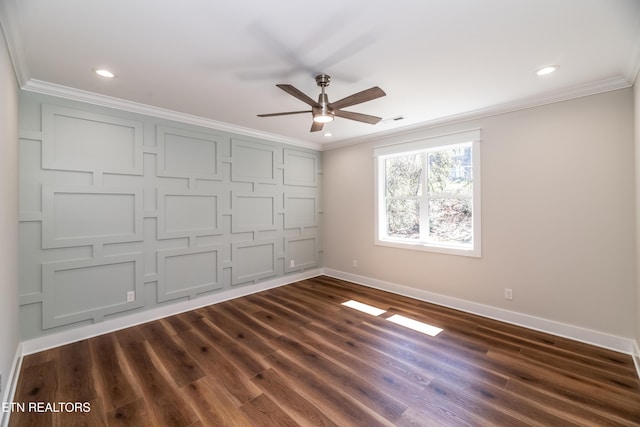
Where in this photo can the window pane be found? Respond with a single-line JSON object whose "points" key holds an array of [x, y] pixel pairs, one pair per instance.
{"points": [[450, 220], [450, 171], [403, 219], [403, 175]]}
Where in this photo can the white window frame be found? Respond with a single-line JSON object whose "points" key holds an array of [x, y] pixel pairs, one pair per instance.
{"points": [[424, 145]]}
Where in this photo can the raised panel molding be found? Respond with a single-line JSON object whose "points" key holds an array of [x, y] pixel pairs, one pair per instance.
{"points": [[253, 162], [77, 140], [300, 253], [188, 213], [252, 261], [74, 291], [300, 210], [254, 211], [300, 168], [188, 272], [75, 216], [187, 154]]}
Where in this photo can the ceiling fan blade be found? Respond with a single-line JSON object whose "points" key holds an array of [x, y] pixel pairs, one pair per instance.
{"points": [[298, 94], [358, 98], [357, 116], [315, 126], [283, 114]]}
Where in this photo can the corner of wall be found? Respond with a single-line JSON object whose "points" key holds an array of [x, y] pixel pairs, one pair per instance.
{"points": [[12, 382]]}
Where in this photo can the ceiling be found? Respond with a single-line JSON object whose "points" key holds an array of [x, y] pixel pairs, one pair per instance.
{"points": [[217, 62]]}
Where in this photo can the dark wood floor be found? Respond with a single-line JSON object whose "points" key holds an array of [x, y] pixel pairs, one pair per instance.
{"points": [[295, 356]]}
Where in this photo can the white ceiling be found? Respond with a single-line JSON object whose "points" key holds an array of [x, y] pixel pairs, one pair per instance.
{"points": [[218, 62]]}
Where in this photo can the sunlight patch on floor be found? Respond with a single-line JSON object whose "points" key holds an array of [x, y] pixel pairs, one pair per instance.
{"points": [[365, 308], [416, 325]]}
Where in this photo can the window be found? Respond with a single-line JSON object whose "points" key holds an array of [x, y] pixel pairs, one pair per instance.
{"points": [[428, 194]]}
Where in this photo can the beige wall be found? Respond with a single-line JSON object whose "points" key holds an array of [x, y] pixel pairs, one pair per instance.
{"points": [[557, 209], [8, 216]]}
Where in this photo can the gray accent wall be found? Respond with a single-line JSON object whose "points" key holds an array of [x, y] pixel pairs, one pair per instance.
{"points": [[121, 212]]}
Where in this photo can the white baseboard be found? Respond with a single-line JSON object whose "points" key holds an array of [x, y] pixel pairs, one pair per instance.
{"points": [[636, 357], [600, 339], [12, 382], [66, 337]]}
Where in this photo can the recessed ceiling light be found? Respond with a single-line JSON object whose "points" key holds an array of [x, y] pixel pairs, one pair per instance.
{"points": [[104, 73], [328, 134], [546, 70]]}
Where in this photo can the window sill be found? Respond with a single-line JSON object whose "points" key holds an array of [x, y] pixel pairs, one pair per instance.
{"points": [[418, 246]]}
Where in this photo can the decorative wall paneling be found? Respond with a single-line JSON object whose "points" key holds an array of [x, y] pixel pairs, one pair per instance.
{"points": [[125, 212]]}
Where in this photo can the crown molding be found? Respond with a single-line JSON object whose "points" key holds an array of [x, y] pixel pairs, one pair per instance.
{"points": [[565, 94], [52, 89], [633, 67]]}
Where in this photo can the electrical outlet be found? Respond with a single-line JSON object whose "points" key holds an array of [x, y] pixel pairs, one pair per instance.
{"points": [[292, 263], [508, 294], [131, 296], [354, 263]]}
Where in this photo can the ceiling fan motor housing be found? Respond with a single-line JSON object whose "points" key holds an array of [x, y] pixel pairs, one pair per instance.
{"points": [[323, 80], [325, 109]]}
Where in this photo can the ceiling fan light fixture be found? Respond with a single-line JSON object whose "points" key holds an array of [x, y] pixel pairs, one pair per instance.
{"points": [[323, 118]]}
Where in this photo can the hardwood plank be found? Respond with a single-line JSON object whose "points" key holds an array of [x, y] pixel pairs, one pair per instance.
{"points": [[371, 355], [240, 333], [180, 322], [115, 389], [299, 408], [284, 326], [234, 311], [246, 361], [419, 417], [179, 363], [337, 405], [167, 406], [471, 409], [40, 357], [38, 383], [572, 411], [216, 365], [213, 405], [365, 391], [593, 371], [132, 414], [424, 359], [262, 411], [94, 417], [573, 389], [76, 376]]}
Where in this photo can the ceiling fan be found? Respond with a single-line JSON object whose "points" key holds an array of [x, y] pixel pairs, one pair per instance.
{"points": [[324, 111]]}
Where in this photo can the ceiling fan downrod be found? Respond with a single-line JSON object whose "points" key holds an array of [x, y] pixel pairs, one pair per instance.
{"points": [[325, 113]]}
